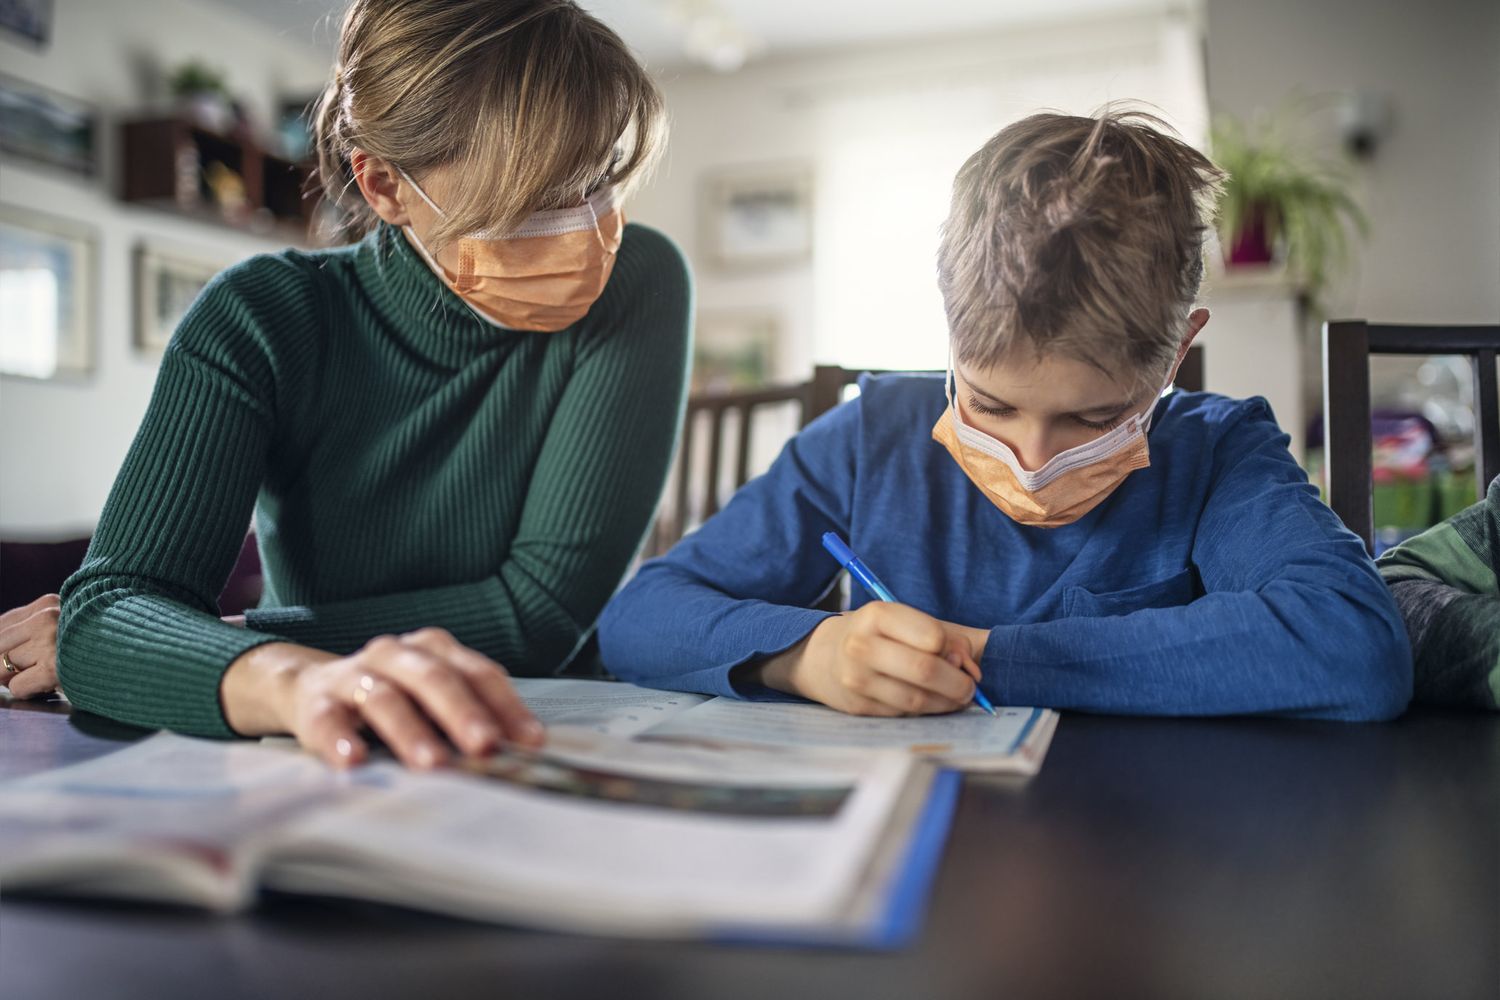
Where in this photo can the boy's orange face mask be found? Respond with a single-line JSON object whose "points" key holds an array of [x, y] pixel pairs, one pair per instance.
{"points": [[1068, 486], [542, 276]]}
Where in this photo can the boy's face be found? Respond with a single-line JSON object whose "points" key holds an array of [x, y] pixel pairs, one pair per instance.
{"points": [[1042, 405]]}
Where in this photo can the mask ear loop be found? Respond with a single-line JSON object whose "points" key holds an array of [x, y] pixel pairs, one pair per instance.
{"points": [[1150, 413], [950, 387], [598, 232], [422, 194]]}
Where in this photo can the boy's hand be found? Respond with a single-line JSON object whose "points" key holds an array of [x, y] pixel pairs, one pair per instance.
{"points": [[884, 659]]}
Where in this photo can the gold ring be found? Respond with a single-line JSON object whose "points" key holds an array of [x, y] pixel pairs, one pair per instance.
{"points": [[10, 668], [362, 691]]}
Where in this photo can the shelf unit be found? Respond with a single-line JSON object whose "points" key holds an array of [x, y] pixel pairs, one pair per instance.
{"points": [[164, 165]]}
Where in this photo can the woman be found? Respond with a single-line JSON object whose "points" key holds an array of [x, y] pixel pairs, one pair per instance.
{"points": [[452, 433]]}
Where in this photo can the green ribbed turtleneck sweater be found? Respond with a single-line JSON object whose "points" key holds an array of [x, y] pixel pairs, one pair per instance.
{"points": [[408, 465]]}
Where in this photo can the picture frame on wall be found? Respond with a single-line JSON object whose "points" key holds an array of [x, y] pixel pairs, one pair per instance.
{"points": [[759, 217], [48, 128], [28, 19], [167, 281], [735, 349], [48, 271]]}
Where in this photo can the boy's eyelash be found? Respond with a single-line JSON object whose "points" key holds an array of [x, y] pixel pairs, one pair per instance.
{"points": [[990, 411], [1100, 425], [1006, 411]]}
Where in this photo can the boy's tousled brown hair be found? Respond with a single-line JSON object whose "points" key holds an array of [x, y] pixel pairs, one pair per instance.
{"points": [[534, 101], [1080, 236]]}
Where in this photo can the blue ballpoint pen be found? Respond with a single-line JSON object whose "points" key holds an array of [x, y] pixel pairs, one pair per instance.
{"points": [[857, 569]]}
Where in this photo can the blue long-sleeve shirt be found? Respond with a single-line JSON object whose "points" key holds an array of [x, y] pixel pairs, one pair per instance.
{"points": [[1212, 582]]}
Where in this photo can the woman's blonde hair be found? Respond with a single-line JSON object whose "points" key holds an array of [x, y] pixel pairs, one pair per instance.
{"points": [[1079, 236], [533, 101]]}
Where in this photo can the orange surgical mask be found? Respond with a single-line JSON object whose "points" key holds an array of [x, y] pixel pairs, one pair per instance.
{"points": [[1068, 486], [542, 276]]}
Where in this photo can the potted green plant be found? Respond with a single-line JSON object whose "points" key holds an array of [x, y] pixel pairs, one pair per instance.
{"points": [[1281, 204], [200, 92]]}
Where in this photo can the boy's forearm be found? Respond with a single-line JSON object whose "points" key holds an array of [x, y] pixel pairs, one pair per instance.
{"points": [[1224, 654]]}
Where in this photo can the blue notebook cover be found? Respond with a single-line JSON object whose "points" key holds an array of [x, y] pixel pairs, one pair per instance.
{"points": [[900, 919]]}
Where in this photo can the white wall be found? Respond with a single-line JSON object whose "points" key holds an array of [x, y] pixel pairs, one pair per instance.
{"points": [[61, 443], [885, 129], [1433, 188]]}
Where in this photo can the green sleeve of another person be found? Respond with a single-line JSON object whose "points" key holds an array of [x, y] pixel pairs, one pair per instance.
{"points": [[1444, 581]]}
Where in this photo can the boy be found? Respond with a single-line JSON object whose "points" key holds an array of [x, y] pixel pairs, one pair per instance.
{"points": [[1444, 581], [1043, 510]]}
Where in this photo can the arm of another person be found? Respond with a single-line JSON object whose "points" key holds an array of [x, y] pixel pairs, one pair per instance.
{"points": [[591, 496], [1444, 581], [28, 640], [1295, 620]]}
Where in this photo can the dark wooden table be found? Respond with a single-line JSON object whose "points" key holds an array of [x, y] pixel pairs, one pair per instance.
{"points": [[1151, 858]]}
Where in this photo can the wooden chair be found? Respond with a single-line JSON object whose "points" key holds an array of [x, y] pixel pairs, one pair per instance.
{"points": [[817, 396], [1347, 346]]}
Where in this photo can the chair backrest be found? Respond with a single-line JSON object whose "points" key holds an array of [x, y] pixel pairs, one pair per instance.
{"points": [[689, 481], [817, 396], [1348, 444]]}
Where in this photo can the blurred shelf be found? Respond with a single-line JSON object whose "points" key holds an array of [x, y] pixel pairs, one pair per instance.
{"points": [[167, 163]]}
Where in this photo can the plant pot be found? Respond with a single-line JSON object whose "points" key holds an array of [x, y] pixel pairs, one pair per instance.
{"points": [[207, 109], [1251, 246]]}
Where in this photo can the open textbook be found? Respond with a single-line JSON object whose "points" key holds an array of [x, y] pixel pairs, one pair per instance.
{"points": [[1014, 741], [593, 834]]}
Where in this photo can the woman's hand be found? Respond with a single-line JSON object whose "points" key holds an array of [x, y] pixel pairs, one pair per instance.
{"points": [[407, 689], [28, 640], [884, 659]]}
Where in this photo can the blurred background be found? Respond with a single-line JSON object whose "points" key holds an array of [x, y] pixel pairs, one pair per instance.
{"points": [[146, 144]]}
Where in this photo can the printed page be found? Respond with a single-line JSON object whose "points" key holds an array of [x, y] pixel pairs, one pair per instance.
{"points": [[539, 840], [971, 739], [169, 818], [607, 707]]}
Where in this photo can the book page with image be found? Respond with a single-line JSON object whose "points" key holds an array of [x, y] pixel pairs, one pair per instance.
{"points": [[600, 835], [169, 818]]}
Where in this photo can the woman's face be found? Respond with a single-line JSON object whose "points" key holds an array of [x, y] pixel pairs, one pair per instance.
{"points": [[1042, 405]]}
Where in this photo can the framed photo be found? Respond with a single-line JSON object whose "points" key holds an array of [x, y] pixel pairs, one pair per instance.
{"points": [[734, 350], [30, 19], [47, 274], [758, 218], [46, 127], [167, 280]]}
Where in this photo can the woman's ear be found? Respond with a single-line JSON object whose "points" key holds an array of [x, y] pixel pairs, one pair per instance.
{"points": [[380, 183]]}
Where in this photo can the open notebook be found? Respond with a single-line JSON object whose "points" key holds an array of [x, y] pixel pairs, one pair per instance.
{"points": [[595, 834], [1014, 741]]}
